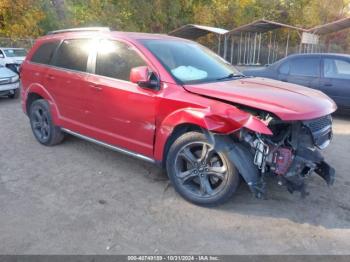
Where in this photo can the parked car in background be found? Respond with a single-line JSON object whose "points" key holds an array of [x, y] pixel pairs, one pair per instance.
{"points": [[329, 73], [12, 58], [173, 102], [9, 83]]}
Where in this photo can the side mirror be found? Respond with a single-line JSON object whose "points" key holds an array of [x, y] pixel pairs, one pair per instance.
{"points": [[2, 56], [144, 77]]}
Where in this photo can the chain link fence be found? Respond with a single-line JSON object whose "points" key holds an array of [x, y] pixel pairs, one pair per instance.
{"points": [[26, 43]]}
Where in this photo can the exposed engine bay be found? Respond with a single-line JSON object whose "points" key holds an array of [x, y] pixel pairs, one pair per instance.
{"points": [[291, 154]]}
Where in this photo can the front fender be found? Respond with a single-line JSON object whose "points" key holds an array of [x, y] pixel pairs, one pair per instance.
{"points": [[220, 118]]}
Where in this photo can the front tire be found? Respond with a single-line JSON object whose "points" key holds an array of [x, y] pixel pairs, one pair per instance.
{"points": [[43, 128], [199, 173]]}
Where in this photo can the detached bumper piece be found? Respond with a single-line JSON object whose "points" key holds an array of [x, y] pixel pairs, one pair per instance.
{"points": [[305, 163], [327, 172], [242, 159]]}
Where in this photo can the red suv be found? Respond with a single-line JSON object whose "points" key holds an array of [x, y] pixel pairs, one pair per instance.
{"points": [[174, 102]]}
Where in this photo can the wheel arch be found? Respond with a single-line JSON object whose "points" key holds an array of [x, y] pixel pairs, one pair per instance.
{"points": [[178, 130], [35, 92], [30, 99]]}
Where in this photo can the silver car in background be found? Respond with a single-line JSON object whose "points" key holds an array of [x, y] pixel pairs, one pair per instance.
{"points": [[9, 83], [12, 58]]}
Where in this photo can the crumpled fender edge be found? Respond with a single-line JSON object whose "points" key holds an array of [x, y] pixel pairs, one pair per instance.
{"points": [[242, 159], [207, 118], [258, 126], [221, 118]]}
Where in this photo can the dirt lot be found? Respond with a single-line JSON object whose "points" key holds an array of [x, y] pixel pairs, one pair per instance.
{"points": [[81, 198]]}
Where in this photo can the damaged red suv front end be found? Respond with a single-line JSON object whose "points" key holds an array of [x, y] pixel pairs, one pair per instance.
{"points": [[298, 122]]}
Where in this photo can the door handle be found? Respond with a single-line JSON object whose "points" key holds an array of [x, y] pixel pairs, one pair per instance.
{"points": [[96, 87], [327, 84], [50, 77]]}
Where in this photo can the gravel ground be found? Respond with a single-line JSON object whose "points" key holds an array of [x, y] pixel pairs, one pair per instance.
{"points": [[80, 198]]}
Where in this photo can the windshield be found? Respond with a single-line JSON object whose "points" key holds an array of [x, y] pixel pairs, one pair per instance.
{"points": [[15, 52], [191, 63]]}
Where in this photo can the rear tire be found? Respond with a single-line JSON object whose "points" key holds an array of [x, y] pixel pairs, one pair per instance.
{"points": [[15, 95], [43, 128], [199, 173]]}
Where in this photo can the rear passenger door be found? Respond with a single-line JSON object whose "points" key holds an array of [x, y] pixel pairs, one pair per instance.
{"points": [[67, 80], [303, 71], [335, 80]]}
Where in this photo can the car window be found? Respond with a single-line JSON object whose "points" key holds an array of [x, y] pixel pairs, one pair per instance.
{"points": [[73, 54], [44, 53], [115, 59], [1, 53], [15, 52], [336, 68], [305, 66], [284, 68]]}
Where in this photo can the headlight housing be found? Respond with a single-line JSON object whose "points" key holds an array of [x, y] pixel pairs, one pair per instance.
{"points": [[14, 79]]}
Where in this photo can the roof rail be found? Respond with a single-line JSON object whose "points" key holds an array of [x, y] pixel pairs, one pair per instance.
{"points": [[79, 29]]}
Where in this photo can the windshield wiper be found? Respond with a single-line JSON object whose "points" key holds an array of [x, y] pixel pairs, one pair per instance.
{"points": [[232, 75]]}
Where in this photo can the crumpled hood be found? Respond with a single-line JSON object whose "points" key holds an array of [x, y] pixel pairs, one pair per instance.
{"points": [[285, 100]]}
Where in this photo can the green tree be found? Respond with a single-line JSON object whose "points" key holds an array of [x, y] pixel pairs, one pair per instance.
{"points": [[20, 18]]}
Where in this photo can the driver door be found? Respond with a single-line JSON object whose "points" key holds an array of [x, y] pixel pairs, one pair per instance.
{"points": [[120, 112]]}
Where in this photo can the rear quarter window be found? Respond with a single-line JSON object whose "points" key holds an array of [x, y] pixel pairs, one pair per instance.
{"points": [[73, 54], [44, 53]]}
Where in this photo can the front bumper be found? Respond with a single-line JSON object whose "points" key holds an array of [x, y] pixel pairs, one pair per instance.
{"points": [[321, 130], [8, 88]]}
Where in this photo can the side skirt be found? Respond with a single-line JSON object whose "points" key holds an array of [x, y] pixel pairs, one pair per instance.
{"points": [[114, 148]]}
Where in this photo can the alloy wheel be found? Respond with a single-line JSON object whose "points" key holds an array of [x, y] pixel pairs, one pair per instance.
{"points": [[200, 169], [40, 123]]}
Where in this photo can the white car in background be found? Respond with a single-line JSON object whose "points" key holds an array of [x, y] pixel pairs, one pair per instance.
{"points": [[12, 57], [9, 83]]}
